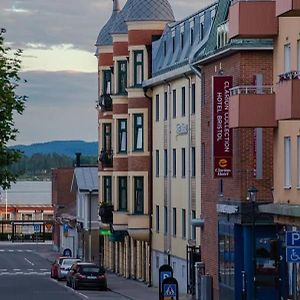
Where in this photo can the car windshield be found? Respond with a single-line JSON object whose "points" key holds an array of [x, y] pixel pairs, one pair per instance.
{"points": [[69, 262], [91, 270]]}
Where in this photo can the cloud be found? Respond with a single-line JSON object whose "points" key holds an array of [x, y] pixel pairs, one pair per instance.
{"points": [[61, 105]]}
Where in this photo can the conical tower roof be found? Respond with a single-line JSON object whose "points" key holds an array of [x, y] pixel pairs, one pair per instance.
{"points": [[150, 10], [104, 37], [120, 25]]}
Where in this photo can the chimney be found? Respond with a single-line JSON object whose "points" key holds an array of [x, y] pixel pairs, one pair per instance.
{"points": [[116, 5], [78, 154]]}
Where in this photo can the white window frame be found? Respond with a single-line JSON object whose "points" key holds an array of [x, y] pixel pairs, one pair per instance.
{"points": [[287, 163], [287, 58]]}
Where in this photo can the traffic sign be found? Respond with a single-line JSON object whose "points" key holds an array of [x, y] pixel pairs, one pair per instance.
{"points": [[170, 290], [164, 275], [36, 227], [165, 271], [293, 238], [293, 255]]}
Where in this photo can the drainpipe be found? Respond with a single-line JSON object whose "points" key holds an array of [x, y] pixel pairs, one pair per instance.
{"points": [[169, 200], [189, 158]]}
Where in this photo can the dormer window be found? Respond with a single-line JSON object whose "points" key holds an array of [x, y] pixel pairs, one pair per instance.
{"points": [[138, 68], [173, 40], [192, 32], [182, 36], [201, 32], [165, 48]]}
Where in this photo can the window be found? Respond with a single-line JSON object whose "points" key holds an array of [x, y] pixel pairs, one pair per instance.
{"points": [[201, 30], [298, 161], [202, 159], [193, 227], [166, 163], [226, 254], [165, 220], [107, 137], [157, 163], [174, 104], [107, 189], [182, 39], [192, 33], [138, 195], [193, 98], [138, 132], [183, 162], [122, 82], [174, 222], [173, 42], [123, 193], [165, 48], [287, 162], [193, 162], [174, 162], [298, 55], [287, 58], [165, 106], [122, 125], [138, 68], [157, 108], [183, 215], [106, 82], [183, 101], [157, 218]]}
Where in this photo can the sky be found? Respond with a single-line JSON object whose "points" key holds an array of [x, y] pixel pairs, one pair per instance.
{"points": [[58, 37]]}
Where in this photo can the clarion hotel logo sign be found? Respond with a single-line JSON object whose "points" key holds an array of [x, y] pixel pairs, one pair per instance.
{"points": [[222, 134]]}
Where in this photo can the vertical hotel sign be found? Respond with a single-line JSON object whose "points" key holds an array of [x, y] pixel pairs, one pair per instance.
{"points": [[222, 134]]}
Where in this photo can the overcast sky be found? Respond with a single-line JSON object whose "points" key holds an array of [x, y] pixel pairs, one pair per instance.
{"points": [[58, 38]]}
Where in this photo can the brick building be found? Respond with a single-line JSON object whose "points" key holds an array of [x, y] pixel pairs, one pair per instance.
{"points": [[125, 133]]}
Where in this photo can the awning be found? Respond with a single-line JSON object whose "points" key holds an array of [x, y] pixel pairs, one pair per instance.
{"points": [[197, 222], [289, 210]]}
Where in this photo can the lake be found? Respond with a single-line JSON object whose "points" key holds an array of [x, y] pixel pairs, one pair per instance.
{"points": [[29, 192]]}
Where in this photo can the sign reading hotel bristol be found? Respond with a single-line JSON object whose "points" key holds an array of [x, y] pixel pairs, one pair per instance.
{"points": [[222, 134]]}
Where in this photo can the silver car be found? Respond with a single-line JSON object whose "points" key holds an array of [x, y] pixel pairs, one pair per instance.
{"points": [[65, 267]]}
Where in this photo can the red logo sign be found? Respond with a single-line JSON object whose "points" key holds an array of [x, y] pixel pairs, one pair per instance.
{"points": [[222, 134]]}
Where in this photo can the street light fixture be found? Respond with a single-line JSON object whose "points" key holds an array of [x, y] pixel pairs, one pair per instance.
{"points": [[252, 192]]}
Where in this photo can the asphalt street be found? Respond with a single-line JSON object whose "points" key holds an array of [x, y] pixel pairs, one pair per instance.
{"points": [[25, 275]]}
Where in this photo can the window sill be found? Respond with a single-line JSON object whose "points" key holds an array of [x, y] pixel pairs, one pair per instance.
{"points": [[287, 187], [138, 151]]}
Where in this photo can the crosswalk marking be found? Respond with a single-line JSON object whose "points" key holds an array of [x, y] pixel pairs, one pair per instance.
{"points": [[24, 273], [17, 250]]}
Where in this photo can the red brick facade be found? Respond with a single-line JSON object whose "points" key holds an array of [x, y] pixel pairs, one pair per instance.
{"points": [[243, 66]]}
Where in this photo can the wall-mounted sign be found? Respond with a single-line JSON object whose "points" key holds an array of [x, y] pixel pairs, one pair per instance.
{"points": [[182, 129], [222, 134], [227, 209]]}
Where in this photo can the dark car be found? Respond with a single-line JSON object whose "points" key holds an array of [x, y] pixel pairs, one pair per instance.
{"points": [[86, 275], [55, 265]]}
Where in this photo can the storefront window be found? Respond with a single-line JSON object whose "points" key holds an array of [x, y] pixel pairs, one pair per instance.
{"points": [[226, 254]]}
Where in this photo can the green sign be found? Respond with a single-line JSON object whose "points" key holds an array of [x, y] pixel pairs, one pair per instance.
{"points": [[105, 232]]}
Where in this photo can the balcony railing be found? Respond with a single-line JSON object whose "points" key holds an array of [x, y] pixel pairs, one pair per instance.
{"points": [[105, 102], [106, 158], [289, 75], [251, 89]]}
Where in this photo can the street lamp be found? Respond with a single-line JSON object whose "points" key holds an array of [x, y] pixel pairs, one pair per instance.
{"points": [[252, 192]]}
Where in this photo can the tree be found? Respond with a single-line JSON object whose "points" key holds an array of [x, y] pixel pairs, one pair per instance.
{"points": [[10, 105]]}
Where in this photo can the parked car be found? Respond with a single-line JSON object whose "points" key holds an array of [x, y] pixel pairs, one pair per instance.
{"points": [[54, 266], [65, 267], [86, 275]]}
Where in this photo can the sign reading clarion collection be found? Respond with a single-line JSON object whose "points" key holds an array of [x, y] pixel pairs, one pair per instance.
{"points": [[222, 134]]}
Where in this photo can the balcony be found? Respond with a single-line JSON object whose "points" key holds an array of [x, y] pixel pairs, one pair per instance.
{"points": [[139, 227], [252, 106], [120, 222], [287, 8], [287, 96], [106, 158], [105, 102], [106, 213], [252, 19]]}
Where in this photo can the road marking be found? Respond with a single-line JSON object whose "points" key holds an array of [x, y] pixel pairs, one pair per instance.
{"points": [[16, 269], [3, 270], [43, 269], [31, 263], [29, 269], [2, 250], [71, 290], [11, 250]]}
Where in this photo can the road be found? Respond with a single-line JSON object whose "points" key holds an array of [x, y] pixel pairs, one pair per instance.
{"points": [[25, 275]]}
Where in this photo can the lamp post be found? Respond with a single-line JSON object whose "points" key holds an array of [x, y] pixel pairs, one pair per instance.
{"points": [[252, 192]]}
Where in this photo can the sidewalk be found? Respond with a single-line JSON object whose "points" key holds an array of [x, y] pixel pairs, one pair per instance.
{"points": [[131, 289]]}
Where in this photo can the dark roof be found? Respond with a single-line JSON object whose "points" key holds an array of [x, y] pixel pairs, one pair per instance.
{"points": [[120, 25], [152, 10]]}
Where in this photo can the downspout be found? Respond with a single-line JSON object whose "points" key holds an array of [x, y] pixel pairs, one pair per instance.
{"points": [[151, 189], [189, 157], [169, 173]]}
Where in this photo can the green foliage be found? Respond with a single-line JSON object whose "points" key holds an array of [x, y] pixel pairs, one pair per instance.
{"points": [[39, 166], [10, 104]]}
